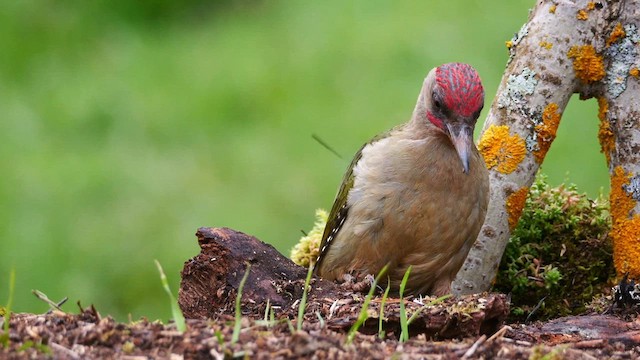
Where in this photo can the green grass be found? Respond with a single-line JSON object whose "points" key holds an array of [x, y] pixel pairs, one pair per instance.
{"points": [[404, 322], [364, 315], [237, 323], [383, 301], [123, 131], [303, 301], [176, 312], [417, 313], [52, 304], [4, 337]]}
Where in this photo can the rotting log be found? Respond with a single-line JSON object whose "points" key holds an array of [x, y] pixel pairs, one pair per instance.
{"points": [[587, 331], [211, 279]]}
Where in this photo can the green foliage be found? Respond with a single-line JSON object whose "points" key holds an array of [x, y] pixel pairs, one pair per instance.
{"points": [[560, 250]]}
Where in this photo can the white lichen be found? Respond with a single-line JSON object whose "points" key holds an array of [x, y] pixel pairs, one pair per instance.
{"points": [[531, 142], [535, 118], [623, 55], [516, 39], [633, 187], [518, 86]]}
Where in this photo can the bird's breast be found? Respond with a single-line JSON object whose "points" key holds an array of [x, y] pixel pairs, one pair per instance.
{"points": [[411, 202]]}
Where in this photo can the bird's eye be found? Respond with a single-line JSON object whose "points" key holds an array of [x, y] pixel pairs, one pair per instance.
{"points": [[436, 101]]}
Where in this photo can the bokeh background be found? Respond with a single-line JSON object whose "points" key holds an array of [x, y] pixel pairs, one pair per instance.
{"points": [[126, 125]]}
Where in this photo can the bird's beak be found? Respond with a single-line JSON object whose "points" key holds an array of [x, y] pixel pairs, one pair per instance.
{"points": [[462, 138]]}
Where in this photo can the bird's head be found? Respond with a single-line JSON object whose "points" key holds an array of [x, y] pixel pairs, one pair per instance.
{"points": [[452, 98]]}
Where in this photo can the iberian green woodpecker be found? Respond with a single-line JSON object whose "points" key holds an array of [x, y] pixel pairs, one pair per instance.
{"points": [[416, 195]]}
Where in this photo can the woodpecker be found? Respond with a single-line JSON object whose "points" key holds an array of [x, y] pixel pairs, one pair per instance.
{"points": [[416, 195]]}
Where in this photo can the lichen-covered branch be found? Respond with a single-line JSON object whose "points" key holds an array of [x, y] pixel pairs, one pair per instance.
{"points": [[566, 47]]}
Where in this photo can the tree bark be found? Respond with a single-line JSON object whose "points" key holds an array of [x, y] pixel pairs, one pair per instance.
{"points": [[566, 47]]}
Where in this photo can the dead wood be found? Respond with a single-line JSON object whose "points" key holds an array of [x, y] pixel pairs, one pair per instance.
{"points": [[210, 283]]}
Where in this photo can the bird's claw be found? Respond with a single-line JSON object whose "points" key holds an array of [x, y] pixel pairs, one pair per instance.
{"points": [[357, 282]]}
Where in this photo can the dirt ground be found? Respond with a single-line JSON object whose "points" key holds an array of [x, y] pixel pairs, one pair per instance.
{"points": [[88, 335], [471, 326]]}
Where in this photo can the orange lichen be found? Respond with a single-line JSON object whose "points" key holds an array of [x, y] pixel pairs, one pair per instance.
{"points": [[625, 233], [552, 9], [617, 34], [501, 150], [634, 72], [621, 202], [587, 64], [605, 135], [509, 44], [515, 205], [546, 130], [582, 15], [626, 247], [546, 45]]}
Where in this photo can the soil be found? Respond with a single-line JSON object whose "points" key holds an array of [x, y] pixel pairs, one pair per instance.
{"points": [[470, 326], [88, 335]]}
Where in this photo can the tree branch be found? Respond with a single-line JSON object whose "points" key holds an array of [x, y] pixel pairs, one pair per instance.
{"points": [[566, 47]]}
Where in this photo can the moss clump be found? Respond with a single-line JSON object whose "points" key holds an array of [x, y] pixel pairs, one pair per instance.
{"points": [[306, 250], [560, 251]]}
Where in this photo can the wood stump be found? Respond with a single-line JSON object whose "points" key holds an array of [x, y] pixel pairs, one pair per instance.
{"points": [[210, 282]]}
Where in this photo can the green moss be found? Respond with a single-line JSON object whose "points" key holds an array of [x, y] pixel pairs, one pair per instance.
{"points": [[306, 250], [560, 252]]}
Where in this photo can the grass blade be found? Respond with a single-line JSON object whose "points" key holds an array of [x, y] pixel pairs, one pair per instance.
{"points": [[381, 332], [178, 318], [303, 301], [430, 303], [362, 317], [266, 310], [52, 305], [404, 323], [238, 317], [290, 325], [4, 338], [320, 319]]}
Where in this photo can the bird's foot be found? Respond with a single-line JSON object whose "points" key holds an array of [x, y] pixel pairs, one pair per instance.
{"points": [[357, 282]]}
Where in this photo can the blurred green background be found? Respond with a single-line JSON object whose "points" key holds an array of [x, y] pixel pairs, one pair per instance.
{"points": [[126, 125]]}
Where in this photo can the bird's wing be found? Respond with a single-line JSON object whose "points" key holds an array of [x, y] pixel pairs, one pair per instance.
{"points": [[340, 209]]}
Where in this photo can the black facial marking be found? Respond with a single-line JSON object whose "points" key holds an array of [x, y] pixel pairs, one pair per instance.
{"points": [[439, 108]]}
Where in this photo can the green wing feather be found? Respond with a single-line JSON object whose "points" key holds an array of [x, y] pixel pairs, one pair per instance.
{"points": [[340, 210]]}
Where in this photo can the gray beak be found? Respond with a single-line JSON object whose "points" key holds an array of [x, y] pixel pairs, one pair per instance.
{"points": [[462, 138]]}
